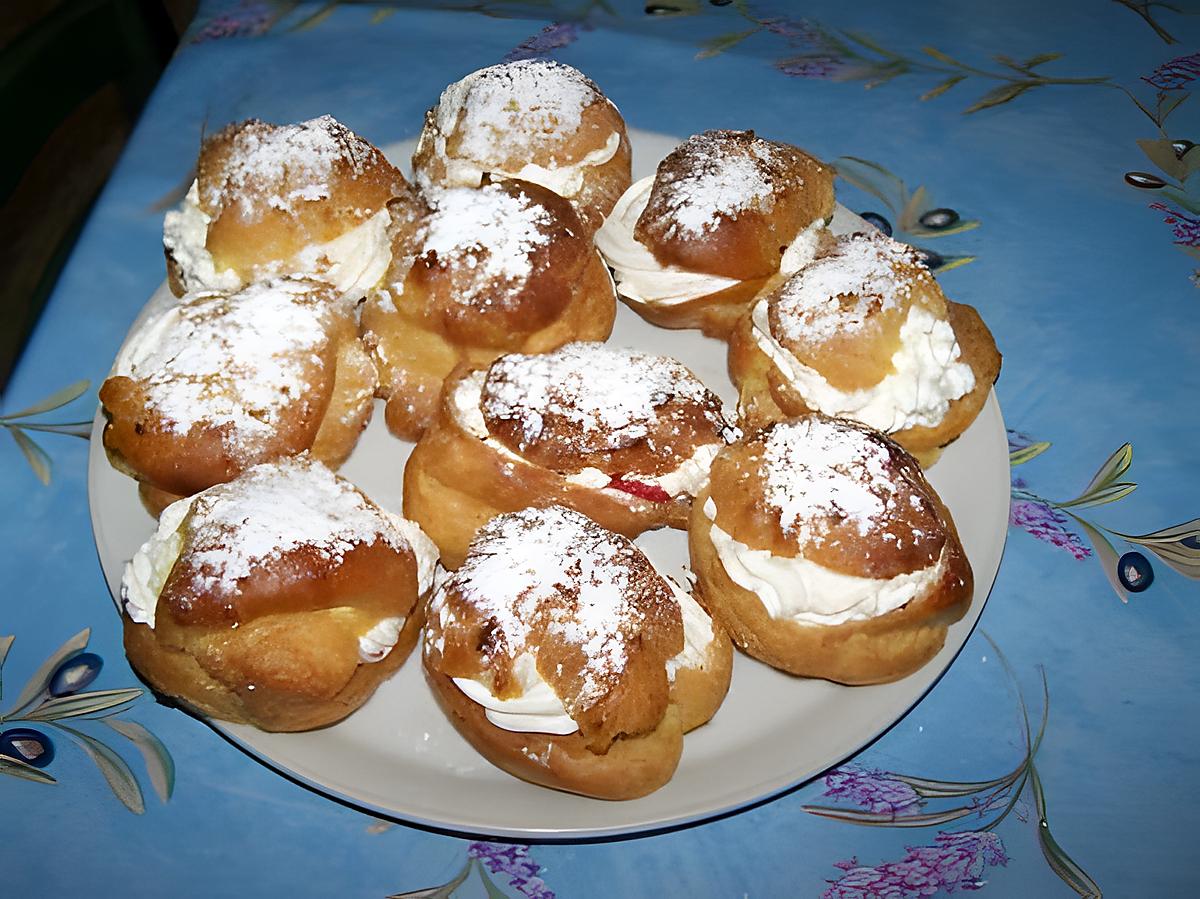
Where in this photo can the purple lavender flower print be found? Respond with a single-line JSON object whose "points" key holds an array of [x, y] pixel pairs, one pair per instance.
{"points": [[1175, 74], [1186, 228], [513, 861], [545, 42], [872, 789], [955, 862], [1047, 524], [245, 20], [819, 55], [823, 67], [1035, 515]]}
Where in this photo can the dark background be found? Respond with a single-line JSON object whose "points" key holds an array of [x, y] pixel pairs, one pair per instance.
{"points": [[74, 75]]}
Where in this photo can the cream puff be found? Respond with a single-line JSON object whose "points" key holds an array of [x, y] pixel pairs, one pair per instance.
{"points": [[865, 333], [565, 659], [269, 200], [504, 268], [535, 120], [725, 215], [622, 436], [216, 383], [281, 599], [820, 546]]}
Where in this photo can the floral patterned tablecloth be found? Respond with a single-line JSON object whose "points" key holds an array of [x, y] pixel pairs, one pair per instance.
{"points": [[1057, 755]]}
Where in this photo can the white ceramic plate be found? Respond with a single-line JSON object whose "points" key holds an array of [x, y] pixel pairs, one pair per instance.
{"points": [[399, 757]]}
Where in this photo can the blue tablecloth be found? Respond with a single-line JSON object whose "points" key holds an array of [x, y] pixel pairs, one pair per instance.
{"points": [[1061, 128]]}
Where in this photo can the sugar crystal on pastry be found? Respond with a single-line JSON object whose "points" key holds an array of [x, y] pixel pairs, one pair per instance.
{"points": [[518, 101], [488, 235], [838, 294], [716, 184], [611, 395], [535, 120], [538, 554], [814, 472], [285, 164], [237, 361], [276, 509]]}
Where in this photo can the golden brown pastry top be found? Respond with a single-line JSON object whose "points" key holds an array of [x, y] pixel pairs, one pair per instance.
{"points": [[842, 314], [592, 405], [729, 203], [218, 382], [286, 536], [601, 622], [530, 111], [494, 264], [835, 491], [273, 190]]}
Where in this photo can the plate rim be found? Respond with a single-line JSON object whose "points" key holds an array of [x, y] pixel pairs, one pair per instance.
{"points": [[456, 824]]}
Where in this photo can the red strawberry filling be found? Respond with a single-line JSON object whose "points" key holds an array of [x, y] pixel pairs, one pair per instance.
{"points": [[652, 492]]}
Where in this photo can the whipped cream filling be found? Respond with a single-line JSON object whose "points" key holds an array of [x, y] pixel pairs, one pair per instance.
{"points": [[641, 278], [148, 570], [423, 549], [539, 710], [927, 376], [185, 234], [565, 180], [807, 593], [375, 644], [690, 477], [697, 632], [353, 262]]}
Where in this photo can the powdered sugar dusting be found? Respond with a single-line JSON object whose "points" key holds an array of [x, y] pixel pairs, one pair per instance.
{"points": [[721, 173], [273, 509], [838, 293], [240, 360], [286, 163], [489, 233], [611, 394], [553, 571], [528, 97], [817, 467]]}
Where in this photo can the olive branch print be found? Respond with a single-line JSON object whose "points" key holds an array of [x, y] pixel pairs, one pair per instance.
{"points": [[843, 55], [957, 859], [1145, 9], [18, 424], [1175, 159], [55, 695], [1177, 546]]}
